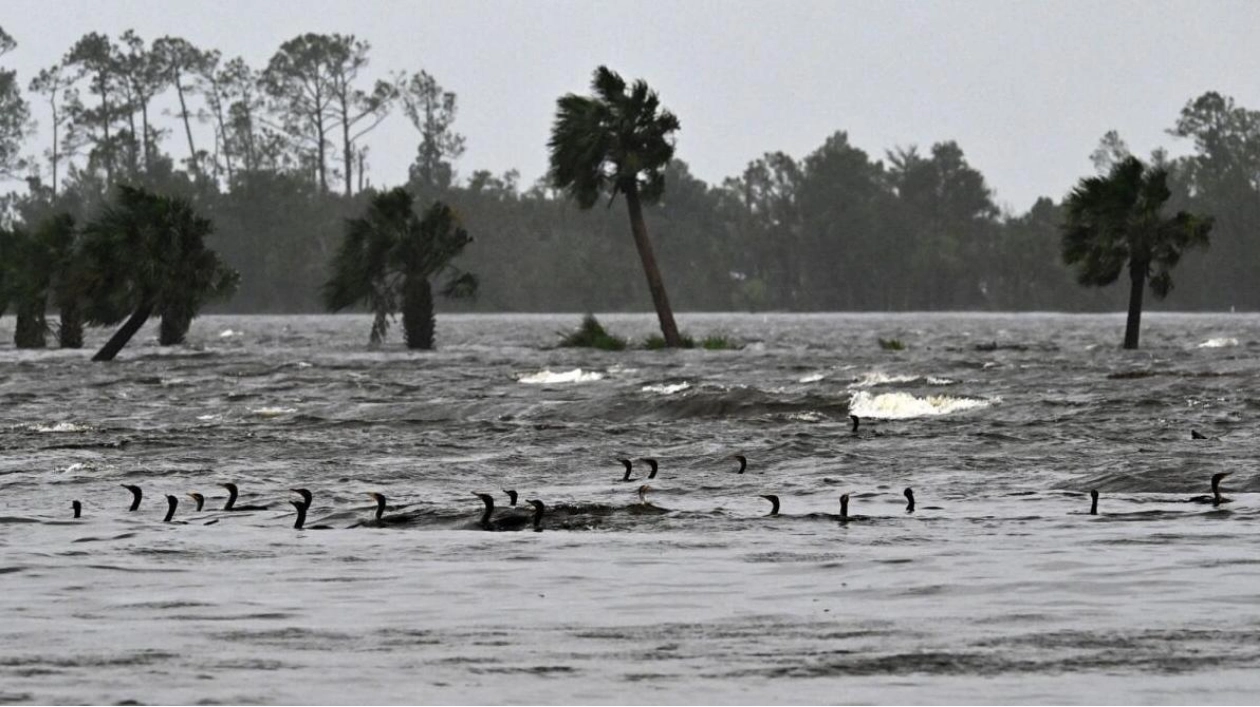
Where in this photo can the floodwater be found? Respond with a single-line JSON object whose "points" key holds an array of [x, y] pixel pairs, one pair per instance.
{"points": [[998, 588]]}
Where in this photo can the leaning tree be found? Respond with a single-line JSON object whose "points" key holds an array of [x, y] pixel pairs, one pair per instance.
{"points": [[1115, 221], [617, 142], [145, 255], [389, 260]]}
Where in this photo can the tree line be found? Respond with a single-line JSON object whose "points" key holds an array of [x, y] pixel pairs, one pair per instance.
{"points": [[286, 161]]}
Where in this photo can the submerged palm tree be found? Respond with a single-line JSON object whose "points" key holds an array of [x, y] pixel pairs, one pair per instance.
{"points": [[146, 255], [617, 142], [1114, 221], [34, 265], [389, 259]]}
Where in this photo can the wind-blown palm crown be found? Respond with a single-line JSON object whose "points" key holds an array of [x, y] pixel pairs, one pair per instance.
{"points": [[1114, 220]]}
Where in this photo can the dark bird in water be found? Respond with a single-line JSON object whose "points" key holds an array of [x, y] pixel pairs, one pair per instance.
{"points": [[857, 421], [743, 463], [539, 509], [652, 463], [628, 467], [513, 521], [300, 523], [909, 500], [231, 502], [844, 509], [1093, 503], [1216, 498], [78, 508], [512, 496], [171, 504], [136, 495], [774, 504], [394, 519], [201, 500], [1195, 434], [306, 495]]}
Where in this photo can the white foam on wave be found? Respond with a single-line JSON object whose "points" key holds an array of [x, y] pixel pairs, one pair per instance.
{"points": [[666, 388], [576, 375], [58, 427], [1219, 342], [807, 416], [272, 411], [812, 378], [874, 378], [228, 333], [901, 406]]}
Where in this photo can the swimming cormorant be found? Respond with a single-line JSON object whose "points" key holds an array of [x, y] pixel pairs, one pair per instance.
{"points": [[512, 496], [507, 522], [743, 462], [909, 493], [856, 422], [774, 504], [201, 500], [1093, 503], [628, 467], [136, 495], [1216, 498], [300, 523], [171, 504], [1195, 434], [394, 519], [539, 509], [78, 508], [231, 502], [844, 510], [652, 463]]}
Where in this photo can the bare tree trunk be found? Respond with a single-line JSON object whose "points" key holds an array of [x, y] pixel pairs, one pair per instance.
{"points": [[31, 326], [1137, 278], [124, 334], [346, 153], [655, 285], [70, 331], [183, 112]]}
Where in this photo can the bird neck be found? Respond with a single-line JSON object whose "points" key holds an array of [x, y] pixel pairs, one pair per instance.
{"points": [[231, 498], [485, 515]]}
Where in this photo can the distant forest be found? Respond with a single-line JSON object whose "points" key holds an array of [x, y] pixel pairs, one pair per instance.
{"points": [[834, 230]]}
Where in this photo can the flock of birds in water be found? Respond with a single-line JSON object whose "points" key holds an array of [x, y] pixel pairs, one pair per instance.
{"points": [[514, 519]]}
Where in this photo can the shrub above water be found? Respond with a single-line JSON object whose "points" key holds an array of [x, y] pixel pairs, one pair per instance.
{"points": [[591, 335]]}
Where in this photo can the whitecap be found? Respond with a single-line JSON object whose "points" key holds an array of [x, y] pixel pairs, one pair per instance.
{"points": [[1219, 342], [272, 412], [807, 416], [900, 406], [812, 378], [576, 375], [208, 418], [666, 388], [58, 427], [226, 333]]}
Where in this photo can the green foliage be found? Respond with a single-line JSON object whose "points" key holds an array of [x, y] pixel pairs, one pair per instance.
{"points": [[892, 345], [591, 334], [388, 252], [719, 342], [656, 342]]}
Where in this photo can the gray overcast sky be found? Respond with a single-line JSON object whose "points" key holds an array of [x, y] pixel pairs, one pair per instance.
{"points": [[1026, 88]]}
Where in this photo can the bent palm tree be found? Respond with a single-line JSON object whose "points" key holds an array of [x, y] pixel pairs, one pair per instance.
{"points": [[1115, 220], [388, 260], [617, 142], [146, 255]]}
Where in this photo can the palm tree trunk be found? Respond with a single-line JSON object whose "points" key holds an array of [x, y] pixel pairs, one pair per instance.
{"points": [[124, 334], [174, 326], [417, 313], [655, 285], [1137, 278], [31, 326], [70, 333]]}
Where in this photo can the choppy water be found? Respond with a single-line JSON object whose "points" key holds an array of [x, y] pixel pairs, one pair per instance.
{"points": [[999, 588]]}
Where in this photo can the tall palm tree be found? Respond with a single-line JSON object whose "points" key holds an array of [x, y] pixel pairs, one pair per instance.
{"points": [[617, 142], [146, 255], [34, 265], [389, 259], [1115, 220]]}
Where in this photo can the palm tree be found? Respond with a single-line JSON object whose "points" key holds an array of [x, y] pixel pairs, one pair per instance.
{"points": [[24, 280], [146, 255], [389, 259], [617, 142], [1115, 220]]}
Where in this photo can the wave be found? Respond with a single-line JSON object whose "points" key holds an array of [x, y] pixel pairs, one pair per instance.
{"points": [[666, 388], [546, 376], [272, 411], [874, 378], [1219, 343], [901, 406], [59, 427]]}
